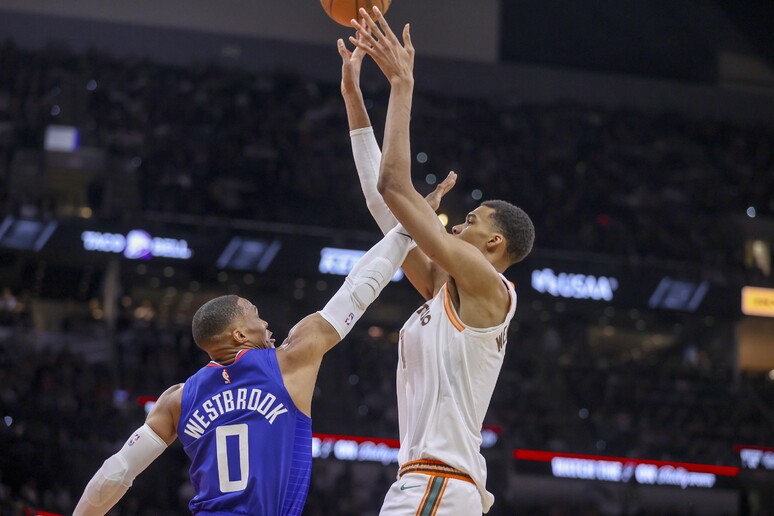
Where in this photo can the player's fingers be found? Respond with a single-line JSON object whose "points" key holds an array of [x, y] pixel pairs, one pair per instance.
{"points": [[441, 189], [407, 43], [448, 183], [368, 49], [385, 26], [371, 23], [343, 52], [363, 33]]}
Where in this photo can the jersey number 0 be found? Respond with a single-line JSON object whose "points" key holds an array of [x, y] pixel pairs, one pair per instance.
{"points": [[221, 433]]}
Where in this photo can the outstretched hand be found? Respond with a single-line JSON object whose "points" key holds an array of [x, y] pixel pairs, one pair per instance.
{"points": [[351, 63], [396, 60], [434, 197]]}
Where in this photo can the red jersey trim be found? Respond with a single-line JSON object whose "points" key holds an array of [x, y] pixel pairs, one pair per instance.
{"points": [[239, 355]]}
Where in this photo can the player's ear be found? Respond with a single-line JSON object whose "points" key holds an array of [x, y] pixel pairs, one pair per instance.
{"points": [[494, 241], [238, 336]]}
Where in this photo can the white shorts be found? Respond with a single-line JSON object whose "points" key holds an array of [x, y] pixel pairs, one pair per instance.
{"points": [[418, 494]]}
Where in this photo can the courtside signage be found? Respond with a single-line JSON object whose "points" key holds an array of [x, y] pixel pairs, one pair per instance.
{"points": [[350, 448], [374, 449], [758, 301], [574, 286], [615, 469], [756, 457], [340, 261], [672, 294], [138, 244]]}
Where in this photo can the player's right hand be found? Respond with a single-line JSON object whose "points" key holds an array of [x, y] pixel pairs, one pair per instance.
{"points": [[375, 38]]}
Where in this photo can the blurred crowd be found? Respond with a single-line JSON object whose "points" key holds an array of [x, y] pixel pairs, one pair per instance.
{"points": [[69, 398], [216, 141], [211, 140]]}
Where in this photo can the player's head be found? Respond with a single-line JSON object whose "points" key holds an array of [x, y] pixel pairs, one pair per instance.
{"points": [[502, 231], [230, 321]]}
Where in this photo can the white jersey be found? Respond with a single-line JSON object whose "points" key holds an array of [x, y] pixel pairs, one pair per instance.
{"points": [[446, 376]]}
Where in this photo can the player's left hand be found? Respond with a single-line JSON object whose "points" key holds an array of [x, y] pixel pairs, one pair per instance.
{"points": [[396, 60], [434, 197], [351, 63]]}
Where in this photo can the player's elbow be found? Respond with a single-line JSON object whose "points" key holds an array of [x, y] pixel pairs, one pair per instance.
{"points": [[115, 473], [389, 188], [383, 184]]}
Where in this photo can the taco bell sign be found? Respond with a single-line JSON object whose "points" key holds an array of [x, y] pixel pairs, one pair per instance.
{"points": [[136, 245]]}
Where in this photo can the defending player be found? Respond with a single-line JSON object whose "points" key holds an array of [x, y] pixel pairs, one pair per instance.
{"points": [[245, 418], [451, 349]]}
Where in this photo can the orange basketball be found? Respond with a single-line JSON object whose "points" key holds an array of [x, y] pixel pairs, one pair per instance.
{"points": [[342, 11]]}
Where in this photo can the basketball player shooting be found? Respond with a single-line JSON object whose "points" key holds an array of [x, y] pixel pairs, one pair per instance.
{"points": [[244, 419], [451, 349]]}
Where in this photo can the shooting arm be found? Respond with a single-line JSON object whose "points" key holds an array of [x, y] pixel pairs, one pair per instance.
{"points": [[367, 157], [451, 254], [459, 259]]}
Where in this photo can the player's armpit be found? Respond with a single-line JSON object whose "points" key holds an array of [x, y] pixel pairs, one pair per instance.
{"points": [[310, 338], [423, 274], [300, 356]]}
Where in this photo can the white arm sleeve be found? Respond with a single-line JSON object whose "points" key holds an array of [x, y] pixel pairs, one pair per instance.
{"points": [[368, 157], [366, 280], [117, 473]]}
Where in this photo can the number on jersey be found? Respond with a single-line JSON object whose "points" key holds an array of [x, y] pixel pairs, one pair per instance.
{"points": [[221, 433]]}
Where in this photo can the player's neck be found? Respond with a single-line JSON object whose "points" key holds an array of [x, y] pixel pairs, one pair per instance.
{"points": [[224, 355]]}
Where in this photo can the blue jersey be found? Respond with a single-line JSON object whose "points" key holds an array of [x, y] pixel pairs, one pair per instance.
{"points": [[250, 447]]}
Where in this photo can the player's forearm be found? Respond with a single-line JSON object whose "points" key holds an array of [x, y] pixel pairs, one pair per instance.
{"points": [[395, 171], [365, 281], [94, 504], [113, 479], [368, 156], [357, 115], [395, 185]]}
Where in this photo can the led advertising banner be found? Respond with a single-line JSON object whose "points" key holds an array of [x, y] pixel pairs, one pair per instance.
{"points": [[758, 301], [639, 471], [25, 235], [588, 284], [580, 282], [758, 458]]}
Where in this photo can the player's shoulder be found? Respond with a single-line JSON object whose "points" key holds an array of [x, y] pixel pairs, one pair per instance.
{"points": [[174, 388], [173, 395]]}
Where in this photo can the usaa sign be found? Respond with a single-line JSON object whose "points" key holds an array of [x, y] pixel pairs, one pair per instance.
{"points": [[574, 286]]}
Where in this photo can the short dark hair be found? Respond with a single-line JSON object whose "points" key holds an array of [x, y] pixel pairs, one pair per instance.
{"points": [[213, 318], [516, 227]]}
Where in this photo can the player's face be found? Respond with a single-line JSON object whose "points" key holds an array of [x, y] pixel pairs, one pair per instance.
{"points": [[477, 227], [255, 328]]}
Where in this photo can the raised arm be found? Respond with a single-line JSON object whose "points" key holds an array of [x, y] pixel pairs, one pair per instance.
{"points": [[115, 477], [301, 354], [420, 271], [365, 149], [472, 273]]}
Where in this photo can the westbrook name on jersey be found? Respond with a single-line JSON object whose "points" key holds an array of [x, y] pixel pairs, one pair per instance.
{"points": [[250, 447]]}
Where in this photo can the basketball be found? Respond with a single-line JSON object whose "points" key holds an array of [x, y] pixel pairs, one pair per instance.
{"points": [[342, 11]]}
